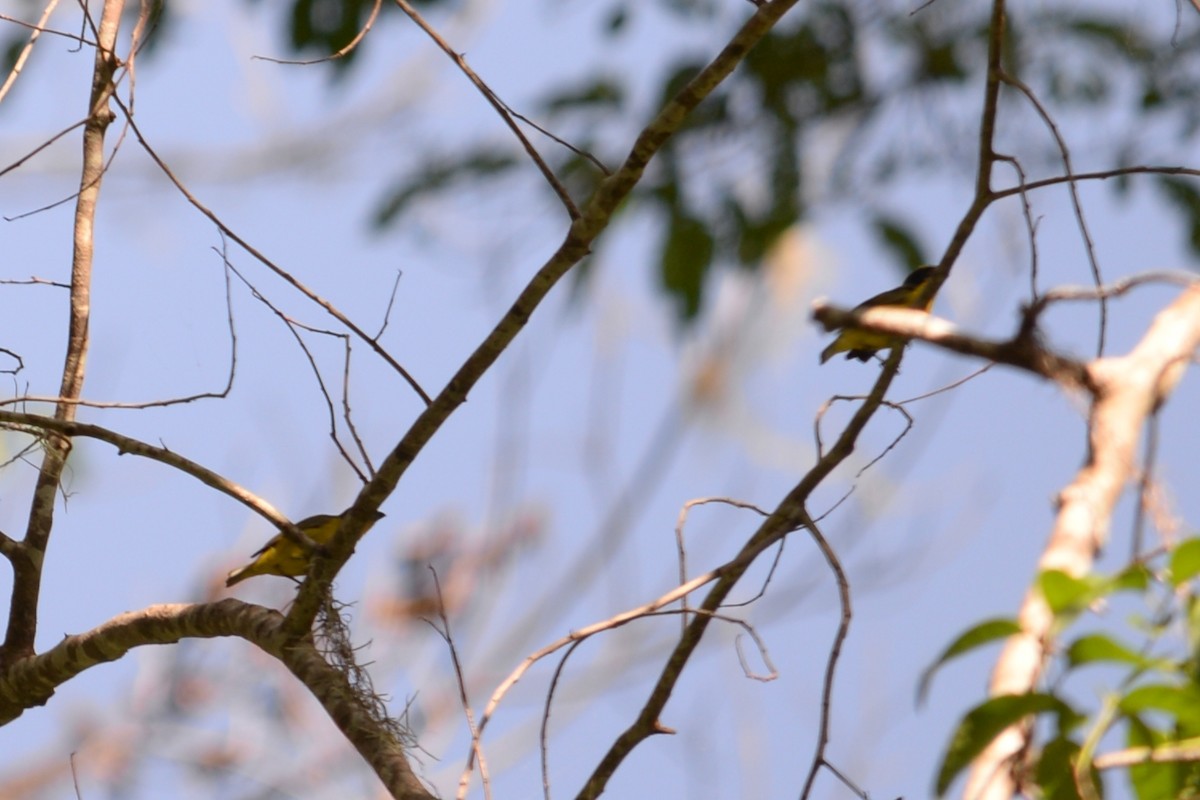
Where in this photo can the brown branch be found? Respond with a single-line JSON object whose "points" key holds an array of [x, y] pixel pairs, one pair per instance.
{"points": [[31, 681], [27, 567], [374, 739], [991, 101], [835, 651], [1022, 351], [294, 327], [41, 29], [1030, 223], [25, 399], [1101, 175], [680, 546], [1186, 751], [464, 696], [569, 641], [1076, 202], [37, 425], [987, 151]]}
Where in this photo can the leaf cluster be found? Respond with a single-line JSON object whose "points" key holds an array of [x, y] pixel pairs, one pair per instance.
{"points": [[1149, 717]]}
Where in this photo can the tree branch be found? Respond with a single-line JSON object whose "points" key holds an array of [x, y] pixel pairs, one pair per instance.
{"points": [[1125, 391], [32, 681], [35, 425], [27, 566]]}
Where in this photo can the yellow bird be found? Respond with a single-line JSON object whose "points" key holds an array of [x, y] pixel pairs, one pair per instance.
{"points": [[861, 344], [282, 556]]}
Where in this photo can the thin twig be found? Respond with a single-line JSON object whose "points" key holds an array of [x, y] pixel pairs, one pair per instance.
{"points": [[23, 56], [1030, 223], [1076, 202], [496, 103], [272, 266], [835, 650], [292, 325], [341, 53], [41, 29], [37, 425], [20, 161], [463, 695], [1101, 175], [681, 521]]}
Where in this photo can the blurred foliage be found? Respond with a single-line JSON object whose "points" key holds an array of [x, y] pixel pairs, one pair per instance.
{"points": [[1149, 653], [842, 102], [756, 156]]}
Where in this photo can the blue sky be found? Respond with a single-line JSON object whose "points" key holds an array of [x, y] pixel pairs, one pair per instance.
{"points": [[942, 533]]}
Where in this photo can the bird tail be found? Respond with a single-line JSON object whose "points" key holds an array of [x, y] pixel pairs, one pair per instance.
{"points": [[238, 575]]}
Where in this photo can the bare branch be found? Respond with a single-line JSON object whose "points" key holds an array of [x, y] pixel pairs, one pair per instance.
{"points": [[35, 32], [27, 571], [1023, 351], [262, 259], [1102, 175], [787, 517], [835, 650], [341, 53], [1076, 203], [37, 425], [31, 681], [42, 29], [496, 103]]}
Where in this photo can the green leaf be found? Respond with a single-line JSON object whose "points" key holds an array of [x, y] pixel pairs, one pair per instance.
{"points": [[603, 93], [976, 636], [441, 175], [985, 722], [1185, 562], [686, 256], [1135, 578], [1181, 702], [1065, 593], [1055, 770], [1184, 195], [899, 238], [1099, 648], [1151, 781]]}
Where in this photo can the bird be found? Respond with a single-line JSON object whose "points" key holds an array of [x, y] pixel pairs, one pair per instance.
{"points": [[282, 556], [862, 344]]}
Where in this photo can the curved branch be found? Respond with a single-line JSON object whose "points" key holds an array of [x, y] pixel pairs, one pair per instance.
{"points": [[499, 105], [31, 681], [35, 425], [371, 737]]}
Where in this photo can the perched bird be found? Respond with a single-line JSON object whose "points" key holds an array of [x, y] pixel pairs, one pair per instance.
{"points": [[282, 556], [861, 344]]}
